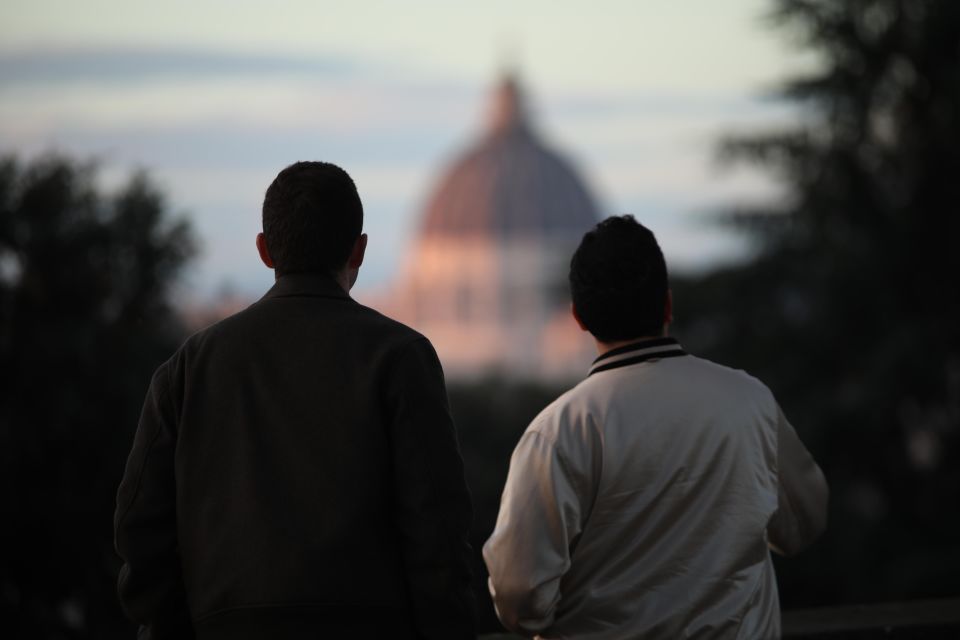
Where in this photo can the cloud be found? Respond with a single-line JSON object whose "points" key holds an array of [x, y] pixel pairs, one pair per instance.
{"points": [[134, 65], [684, 104], [214, 128]]}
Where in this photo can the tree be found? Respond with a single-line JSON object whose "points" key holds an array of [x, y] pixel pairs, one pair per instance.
{"points": [[491, 415], [851, 312], [85, 317]]}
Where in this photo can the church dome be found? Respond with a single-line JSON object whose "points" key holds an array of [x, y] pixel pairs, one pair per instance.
{"points": [[509, 184], [486, 276]]}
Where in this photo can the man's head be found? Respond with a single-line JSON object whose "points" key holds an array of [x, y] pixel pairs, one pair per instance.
{"points": [[312, 221], [618, 281]]}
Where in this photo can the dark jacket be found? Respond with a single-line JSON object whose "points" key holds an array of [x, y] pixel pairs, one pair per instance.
{"points": [[296, 473]]}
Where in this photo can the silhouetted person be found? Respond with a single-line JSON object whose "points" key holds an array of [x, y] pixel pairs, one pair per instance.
{"points": [[641, 503], [295, 472]]}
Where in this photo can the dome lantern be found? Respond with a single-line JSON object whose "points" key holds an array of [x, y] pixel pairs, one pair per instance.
{"points": [[507, 109]]}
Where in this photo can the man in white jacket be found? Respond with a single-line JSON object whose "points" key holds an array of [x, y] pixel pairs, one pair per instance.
{"points": [[643, 503]]}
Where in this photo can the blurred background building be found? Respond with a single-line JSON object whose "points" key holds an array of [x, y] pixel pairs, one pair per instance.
{"points": [[485, 277]]}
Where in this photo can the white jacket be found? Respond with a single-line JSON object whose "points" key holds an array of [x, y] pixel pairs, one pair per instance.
{"points": [[643, 503]]}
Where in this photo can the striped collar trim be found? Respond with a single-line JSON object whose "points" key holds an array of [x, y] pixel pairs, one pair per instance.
{"points": [[641, 351]]}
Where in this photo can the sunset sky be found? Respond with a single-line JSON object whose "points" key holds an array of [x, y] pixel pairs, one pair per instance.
{"points": [[213, 98]]}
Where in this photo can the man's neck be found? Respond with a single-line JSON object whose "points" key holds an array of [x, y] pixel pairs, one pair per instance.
{"points": [[603, 347], [342, 278]]}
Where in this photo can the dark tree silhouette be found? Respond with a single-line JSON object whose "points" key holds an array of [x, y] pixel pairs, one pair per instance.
{"points": [[851, 312], [85, 317], [491, 415]]}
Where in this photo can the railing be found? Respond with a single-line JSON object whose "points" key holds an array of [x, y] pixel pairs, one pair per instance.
{"points": [[916, 619], [919, 619]]}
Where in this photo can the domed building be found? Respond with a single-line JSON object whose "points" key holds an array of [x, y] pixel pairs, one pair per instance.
{"points": [[486, 278]]}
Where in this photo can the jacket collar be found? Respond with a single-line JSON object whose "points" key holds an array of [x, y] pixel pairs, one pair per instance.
{"points": [[635, 352], [306, 284]]}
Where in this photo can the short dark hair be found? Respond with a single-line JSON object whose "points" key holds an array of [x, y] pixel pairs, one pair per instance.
{"points": [[618, 280], [312, 216]]}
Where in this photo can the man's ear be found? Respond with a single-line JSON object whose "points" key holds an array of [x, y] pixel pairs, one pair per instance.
{"points": [[264, 253], [576, 316], [358, 251]]}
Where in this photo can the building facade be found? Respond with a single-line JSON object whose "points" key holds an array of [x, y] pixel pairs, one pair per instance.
{"points": [[486, 276]]}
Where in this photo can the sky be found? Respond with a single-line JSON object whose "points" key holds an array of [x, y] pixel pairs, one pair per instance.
{"points": [[213, 98]]}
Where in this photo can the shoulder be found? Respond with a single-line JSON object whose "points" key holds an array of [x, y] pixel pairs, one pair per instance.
{"points": [[391, 342], [729, 383], [399, 352], [716, 374], [572, 418], [566, 436], [210, 334], [387, 326]]}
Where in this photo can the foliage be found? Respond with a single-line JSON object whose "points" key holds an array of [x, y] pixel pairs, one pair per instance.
{"points": [[851, 313], [85, 317]]}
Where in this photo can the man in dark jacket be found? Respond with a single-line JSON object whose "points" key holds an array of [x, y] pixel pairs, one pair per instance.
{"points": [[295, 472]]}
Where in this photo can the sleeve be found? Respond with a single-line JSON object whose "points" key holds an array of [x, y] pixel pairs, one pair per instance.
{"points": [[542, 513], [145, 529], [803, 495], [432, 503]]}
